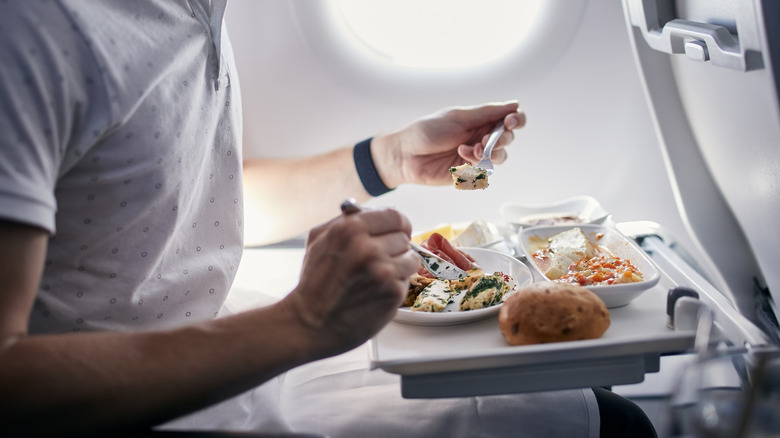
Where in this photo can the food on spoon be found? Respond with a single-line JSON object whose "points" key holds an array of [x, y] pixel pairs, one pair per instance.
{"points": [[468, 177], [487, 291], [552, 312], [434, 297], [569, 257]]}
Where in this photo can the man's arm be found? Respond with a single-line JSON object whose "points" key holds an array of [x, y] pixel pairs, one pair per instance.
{"points": [[91, 381], [285, 197], [78, 383]]}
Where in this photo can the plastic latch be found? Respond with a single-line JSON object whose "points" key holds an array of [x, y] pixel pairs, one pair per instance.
{"points": [[686, 313], [697, 51], [672, 296]]}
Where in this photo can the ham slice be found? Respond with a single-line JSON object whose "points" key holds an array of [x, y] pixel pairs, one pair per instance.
{"points": [[439, 245]]}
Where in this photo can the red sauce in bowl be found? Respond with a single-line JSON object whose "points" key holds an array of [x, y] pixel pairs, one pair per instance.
{"points": [[601, 271]]}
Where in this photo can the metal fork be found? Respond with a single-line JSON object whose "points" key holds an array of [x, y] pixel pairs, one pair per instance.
{"points": [[485, 163]]}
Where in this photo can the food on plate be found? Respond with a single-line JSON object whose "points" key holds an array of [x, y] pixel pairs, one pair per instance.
{"points": [[552, 312], [480, 291], [468, 177], [429, 294], [418, 283], [434, 297], [486, 291], [475, 233], [570, 257]]}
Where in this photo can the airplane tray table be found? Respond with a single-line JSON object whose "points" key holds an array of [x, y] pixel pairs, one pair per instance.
{"points": [[474, 359]]}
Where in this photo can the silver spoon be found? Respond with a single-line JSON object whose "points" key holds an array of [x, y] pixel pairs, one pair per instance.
{"points": [[485, 163], [432, 263]]}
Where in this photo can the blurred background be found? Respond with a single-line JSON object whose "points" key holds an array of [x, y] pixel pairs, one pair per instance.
{"points": [[311, 82]]}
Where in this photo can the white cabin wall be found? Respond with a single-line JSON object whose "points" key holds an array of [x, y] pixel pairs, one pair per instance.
{"points": [[589, 130]]}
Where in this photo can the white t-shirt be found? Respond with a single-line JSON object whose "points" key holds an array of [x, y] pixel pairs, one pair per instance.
{"points": [[121, 133]]}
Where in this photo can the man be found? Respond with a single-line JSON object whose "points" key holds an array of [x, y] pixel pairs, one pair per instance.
{"points": [[121, 219]]}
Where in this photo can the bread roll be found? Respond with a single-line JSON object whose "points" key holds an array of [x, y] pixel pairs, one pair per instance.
{"points": [[552, 312]]}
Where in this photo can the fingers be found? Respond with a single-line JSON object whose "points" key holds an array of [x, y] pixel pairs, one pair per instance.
{"points": [[357, 270], [374, 221], [487, 114], [355, 242], [515, 120], [349, 206], [514, 117], [485, 117], [498, 156], [408, 263], [369, 235], [474, 153], [387, 234], [506, 138], [393, 272], [482, 119], [377, 221]]}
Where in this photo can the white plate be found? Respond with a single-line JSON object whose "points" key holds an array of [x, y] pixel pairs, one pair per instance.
{"points": [[615, 295], [586, 208], [490, 261]]}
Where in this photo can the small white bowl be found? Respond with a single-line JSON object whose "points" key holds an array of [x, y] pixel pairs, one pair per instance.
{"points": [[615, 295], [583, 209]]}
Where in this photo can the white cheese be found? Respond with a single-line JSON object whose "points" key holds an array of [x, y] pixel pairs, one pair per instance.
{"points": [[475, 234], [566, 248]]}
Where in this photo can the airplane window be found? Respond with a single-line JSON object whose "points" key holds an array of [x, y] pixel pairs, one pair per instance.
{"points": [[395, 49], [439, 33]]}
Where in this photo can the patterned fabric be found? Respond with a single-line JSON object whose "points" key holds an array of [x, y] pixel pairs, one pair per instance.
{"points": [[143, 198]]}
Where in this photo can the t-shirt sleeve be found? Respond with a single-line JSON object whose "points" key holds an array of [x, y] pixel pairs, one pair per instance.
{"points": [[53, 107]]}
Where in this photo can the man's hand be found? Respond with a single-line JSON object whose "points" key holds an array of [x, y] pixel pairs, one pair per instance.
{"points": [[355, 276], [423, 152], [420, 153]]}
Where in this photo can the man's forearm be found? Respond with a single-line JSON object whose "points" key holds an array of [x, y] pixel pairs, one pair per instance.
{"points": [[285, 197], [70, 384]]}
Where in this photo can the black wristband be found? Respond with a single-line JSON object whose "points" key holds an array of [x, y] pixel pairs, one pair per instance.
{"points": [[366, 169]]}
